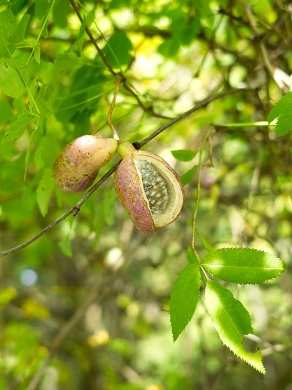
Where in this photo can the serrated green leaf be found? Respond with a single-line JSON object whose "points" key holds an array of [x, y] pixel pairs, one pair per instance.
{"points": [[17, 128], [232, 321], [184, 155], [281, 107], [184, 298], [242, 265], [284, 124], [44, 191], [188, 176]]}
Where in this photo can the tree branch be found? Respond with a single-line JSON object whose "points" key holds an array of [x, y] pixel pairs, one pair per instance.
{"points": [[75, 209], [149, 109]]}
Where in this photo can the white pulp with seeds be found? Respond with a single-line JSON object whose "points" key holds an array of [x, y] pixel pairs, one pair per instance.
{"points": [[155, 186]]}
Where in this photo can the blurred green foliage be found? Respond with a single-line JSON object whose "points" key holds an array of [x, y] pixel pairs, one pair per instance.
{"points": [[87, 305]]}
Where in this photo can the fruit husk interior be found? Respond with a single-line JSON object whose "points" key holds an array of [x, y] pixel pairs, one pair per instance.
{"points": [[174, 186], [129, 188], [130, 191]]}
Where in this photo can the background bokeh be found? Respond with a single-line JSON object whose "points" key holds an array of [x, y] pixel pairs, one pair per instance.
{"points": [[86, 306]]}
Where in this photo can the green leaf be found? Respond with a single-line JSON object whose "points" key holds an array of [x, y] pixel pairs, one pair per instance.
{"points": [[282, 111], [11, 82], [187, 177], [41, 8], [44, 191], [7, 25], [17, 128], [191, 256], [184, 298], [232, 321], [184, 155], [284, 124], [87, 21], [242, 265], [117, 50], [280, 107], [19, 33], [205, 243], [7, 22], [5, 111], [61, 10]]}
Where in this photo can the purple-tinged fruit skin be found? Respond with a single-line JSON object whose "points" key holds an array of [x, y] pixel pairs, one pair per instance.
{"points": [[129, 191], [76, 168]]}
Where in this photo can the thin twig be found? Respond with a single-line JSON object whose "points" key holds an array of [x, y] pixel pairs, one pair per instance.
{"points": [[198, 106], [75, 209], [93, 41], [149, 109], [207, 131], [112, 106]]}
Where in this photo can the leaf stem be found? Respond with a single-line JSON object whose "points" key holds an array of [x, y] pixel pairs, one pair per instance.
{"points": [[112, 106], [205, 138]]}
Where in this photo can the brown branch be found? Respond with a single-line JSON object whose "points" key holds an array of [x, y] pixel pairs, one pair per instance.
{"points": [[75, 209], [93, 41], [197, 107]]}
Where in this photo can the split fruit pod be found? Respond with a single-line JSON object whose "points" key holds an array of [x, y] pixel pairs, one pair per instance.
{"points": [[76, 168], [148, 188]]}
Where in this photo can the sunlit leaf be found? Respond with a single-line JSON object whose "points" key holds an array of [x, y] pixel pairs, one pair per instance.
{"points": [[117, 50], [11, 82], [184, 155], [232, 322], [282, 111], [243, 265]]}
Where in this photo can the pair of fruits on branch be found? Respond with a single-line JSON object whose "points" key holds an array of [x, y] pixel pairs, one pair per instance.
{"points": [[147, 186]]}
